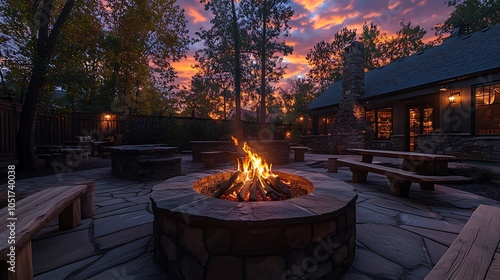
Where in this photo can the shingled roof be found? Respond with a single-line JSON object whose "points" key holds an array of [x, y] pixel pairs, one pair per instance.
{"points": [[459, 56]]}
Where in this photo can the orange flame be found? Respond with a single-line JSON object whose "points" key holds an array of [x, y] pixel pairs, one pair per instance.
{"points": [[234, 140], [253, 166]]}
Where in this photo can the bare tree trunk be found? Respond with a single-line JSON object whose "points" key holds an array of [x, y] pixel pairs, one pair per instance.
{"points": [[27, 123], [237, 73], [263, 71], [45, 43]]}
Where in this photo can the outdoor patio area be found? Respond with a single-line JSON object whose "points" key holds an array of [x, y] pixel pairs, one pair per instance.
{"points": [[396, 237]]}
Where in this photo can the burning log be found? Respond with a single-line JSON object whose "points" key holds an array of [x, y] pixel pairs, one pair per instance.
{"points": [[273, 193], [260, 189], [282, 187], [242, 194], [222, 187]]}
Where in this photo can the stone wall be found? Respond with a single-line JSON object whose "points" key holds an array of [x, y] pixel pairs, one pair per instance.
{"points": [[396, 143], [464, 147]]}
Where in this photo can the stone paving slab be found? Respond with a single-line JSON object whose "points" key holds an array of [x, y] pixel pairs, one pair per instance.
{"points": [[397, 238]]}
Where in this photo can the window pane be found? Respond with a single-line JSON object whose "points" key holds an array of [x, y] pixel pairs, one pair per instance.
{"points": [[384, 123], [370, 118], [488, 110], [427, 125], [488, 119], [479, 96]]}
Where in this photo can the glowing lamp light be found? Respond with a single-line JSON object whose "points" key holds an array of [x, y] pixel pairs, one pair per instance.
{"points": [[453, 97]]}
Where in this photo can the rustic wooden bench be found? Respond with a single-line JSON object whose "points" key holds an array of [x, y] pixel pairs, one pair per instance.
{"points": [[475, 253], [400, 180], [298, 152], [31, 214]]}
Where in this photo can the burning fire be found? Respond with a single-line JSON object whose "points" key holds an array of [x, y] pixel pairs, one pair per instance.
{"points": [[253, 181]]}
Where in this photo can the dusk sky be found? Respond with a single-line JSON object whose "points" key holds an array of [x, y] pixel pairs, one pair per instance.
{"points": [[317, 20]]}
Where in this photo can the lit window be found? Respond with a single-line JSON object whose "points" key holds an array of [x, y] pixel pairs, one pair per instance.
{"points": [[487, 109], [380, 121]]}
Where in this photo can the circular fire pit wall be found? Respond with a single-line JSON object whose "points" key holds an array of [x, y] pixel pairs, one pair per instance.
{"points": [[307, 237]]}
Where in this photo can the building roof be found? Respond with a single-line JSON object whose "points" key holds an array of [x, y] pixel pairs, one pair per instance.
{"points": [[458, 56]]}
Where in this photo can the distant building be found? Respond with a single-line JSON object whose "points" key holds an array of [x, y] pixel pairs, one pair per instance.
{"points": [[442, 100]]}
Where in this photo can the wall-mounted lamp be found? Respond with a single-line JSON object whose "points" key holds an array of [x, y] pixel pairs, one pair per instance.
{"points": [[444, 88], [453, 97]]}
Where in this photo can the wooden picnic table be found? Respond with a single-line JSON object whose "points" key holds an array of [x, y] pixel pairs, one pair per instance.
{"points": [[421, 163]]}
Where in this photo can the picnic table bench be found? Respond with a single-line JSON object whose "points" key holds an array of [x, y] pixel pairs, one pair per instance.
{"points": [[31, 214], [475, 253], [419, 168]]}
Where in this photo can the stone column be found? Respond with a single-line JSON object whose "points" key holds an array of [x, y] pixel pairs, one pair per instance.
{"points": [[350, 129]]}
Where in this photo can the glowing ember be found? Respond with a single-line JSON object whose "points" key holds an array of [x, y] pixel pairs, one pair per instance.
{"points": [[253, 181]]}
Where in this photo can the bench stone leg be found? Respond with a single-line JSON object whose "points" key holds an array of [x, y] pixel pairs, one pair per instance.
{"points": [[359, 176], [71, 216], [427, 186], [399, 188]]}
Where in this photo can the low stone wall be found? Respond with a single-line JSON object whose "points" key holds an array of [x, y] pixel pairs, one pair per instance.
{"points": [[464, 147], [319, 143], [395, 143]]}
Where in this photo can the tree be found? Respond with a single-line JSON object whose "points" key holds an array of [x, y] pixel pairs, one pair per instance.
{"points": [[408, 41], [90, 48], [138, 56], [236, 44], [372, 40], [472, 15], [325, 59], [33, 29], [267, 24]]}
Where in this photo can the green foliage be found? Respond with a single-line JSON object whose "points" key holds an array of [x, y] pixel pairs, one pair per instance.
{"points": [[408, 41], [326, 58], [474, 15], [110, 55]]}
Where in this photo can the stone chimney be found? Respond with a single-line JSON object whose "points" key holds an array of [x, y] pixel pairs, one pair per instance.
{"points": [[350, 129]]}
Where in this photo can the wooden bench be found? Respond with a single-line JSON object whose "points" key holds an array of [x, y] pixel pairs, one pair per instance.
{"points": [[475, 253], [298, 152], [31, 214], [400, 180]]}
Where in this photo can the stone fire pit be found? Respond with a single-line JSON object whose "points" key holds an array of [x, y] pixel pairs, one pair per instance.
{"points": [[307, 237]]}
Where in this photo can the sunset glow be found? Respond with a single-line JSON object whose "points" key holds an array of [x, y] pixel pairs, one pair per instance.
{"points": [[318, 20]]}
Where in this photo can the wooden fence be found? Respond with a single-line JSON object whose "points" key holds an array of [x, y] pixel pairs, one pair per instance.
{"points": [[55, 129]]}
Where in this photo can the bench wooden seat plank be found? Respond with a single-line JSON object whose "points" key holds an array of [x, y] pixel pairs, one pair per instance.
{"points": [[404, 155], [400, 180], [474, 254], [33, 213]]}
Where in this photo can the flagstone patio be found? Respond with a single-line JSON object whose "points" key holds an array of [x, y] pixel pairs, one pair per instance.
{"points": [[397, 238]]}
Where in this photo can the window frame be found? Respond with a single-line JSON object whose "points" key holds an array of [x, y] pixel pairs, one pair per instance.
{"points": [[376, 124]]}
